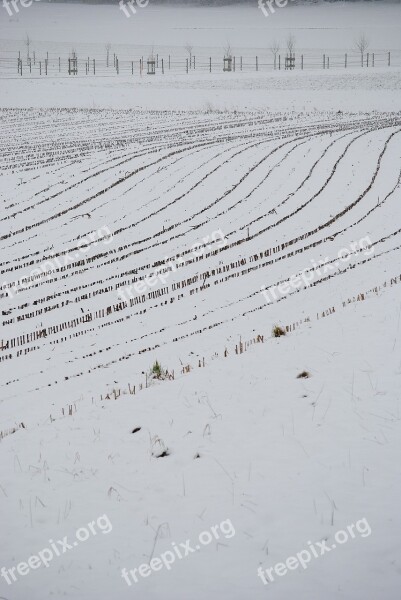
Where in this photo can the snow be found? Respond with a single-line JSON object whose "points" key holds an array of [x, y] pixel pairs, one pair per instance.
{"points": [[292, 167], [306, 91]]}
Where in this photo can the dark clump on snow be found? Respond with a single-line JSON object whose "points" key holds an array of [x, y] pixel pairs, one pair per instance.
{"points": [[304, 375], [277, 331], [163, 454]]}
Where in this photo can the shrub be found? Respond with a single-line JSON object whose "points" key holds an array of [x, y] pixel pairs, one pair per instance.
{"points": [[157, 371], [277, 331]]}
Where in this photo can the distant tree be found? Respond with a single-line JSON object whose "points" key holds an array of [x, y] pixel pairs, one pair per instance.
{"points": [[108, 48], [362, 44], [274, 49], [291, 44], [228, 50], [189, 48], [27, 43]]}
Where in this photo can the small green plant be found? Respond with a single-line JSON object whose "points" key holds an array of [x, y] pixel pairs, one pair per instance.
{"points": [[157, 371], [304, 375], [277, 331]]}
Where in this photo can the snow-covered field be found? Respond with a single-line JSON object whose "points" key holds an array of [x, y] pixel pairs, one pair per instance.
{"points": [[196, 193]]}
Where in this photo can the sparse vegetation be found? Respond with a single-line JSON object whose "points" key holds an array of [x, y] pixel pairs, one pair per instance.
{"points": [[7, 432], [274, 49], [291, 44], [189, 48], [108, 48], [163, 454], [362, 44], [157, 371], [159, 448], [228, 50], [277, 331]]}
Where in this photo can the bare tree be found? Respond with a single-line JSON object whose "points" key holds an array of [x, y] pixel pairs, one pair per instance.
{"points": [[290, 44], [362, 44], [228, 50], [108, 48], [27, 43], [274, 49], [189, 48]]}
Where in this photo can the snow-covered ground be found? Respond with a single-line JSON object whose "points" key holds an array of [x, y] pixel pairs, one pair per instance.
{"points": [[284, 91], [200, 191]]}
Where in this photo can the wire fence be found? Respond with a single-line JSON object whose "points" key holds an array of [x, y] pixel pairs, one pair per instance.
{"points": [[45, 64]]}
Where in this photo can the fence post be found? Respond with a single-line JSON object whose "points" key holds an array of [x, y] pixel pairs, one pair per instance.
{"points": [[324, 61], [373, 59], [187, 65], [367, 59], [241, 63], [34, 57], [328, 62], [40, 67], [256, 63], [30, 65], [132, 67], [210, 64], [279, 62], [46, 59], [194, 63], [389, 59], [345, 62]]}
